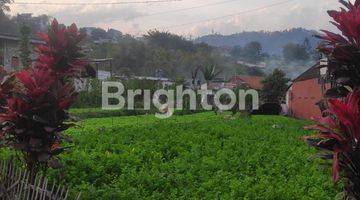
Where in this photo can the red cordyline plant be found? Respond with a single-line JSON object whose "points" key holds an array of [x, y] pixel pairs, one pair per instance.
{"points": [[339, 129], [343, 49], [35, 113]]}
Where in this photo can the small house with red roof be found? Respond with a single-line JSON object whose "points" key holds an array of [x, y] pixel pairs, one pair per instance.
{"points": [[305, 95], [254, 82]]}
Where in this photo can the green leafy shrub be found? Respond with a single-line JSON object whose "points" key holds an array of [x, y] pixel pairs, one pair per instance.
{"points": [[86, 113], [200, 156]]}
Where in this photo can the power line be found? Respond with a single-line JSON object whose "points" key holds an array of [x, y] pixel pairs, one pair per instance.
{"points": [[234, 14], [97, 4], [183, 9]]}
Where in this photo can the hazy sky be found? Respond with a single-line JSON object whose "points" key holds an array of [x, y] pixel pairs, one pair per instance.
{"points": [[240, 15]]}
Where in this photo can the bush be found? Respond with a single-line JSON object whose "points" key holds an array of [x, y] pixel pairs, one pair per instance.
{"points": [[34, 117]]}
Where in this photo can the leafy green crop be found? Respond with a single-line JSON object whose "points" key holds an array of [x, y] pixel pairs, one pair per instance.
{"points": [[201, 156], [87, 113]]}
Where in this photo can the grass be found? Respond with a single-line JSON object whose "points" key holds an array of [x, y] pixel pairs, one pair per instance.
{"points": [[201, 156]]}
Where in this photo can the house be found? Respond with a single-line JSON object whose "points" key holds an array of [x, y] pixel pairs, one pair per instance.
{"points": [[306, 94], [254, 82], [102, 68], [9, 51]]}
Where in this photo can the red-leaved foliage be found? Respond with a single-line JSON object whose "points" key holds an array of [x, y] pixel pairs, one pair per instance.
{"points": [[339, 131], [344, 46], [35, 113], [343, 49]]}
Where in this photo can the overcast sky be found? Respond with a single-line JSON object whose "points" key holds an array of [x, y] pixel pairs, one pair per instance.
{"points": [[136, 19]]}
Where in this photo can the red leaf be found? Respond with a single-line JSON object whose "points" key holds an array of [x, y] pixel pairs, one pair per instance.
{"points": [[340, 110], [25, 78]]}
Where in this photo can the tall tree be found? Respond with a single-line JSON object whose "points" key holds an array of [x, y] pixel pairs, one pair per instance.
{"points": [[25, 46], [210, 73], [250, 71], [275, 87]]}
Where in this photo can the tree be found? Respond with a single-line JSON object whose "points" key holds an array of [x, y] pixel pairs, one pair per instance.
{"points": [[250, 71], [209, 72], [275, 87], [295, 52], [35, 23], [5, 22], [25, 46], [98, 33], [169, 41], [114, 34], [255, 71], [252, 52]]}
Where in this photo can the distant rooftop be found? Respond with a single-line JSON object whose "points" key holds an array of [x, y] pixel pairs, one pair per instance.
{"points": [[254, 82], [311, 73]]}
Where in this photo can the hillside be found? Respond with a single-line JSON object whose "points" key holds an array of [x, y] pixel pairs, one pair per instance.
{"points": [[272, 42]]}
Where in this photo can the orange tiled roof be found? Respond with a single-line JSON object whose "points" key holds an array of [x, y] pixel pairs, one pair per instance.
{"points": [[255, 82]]}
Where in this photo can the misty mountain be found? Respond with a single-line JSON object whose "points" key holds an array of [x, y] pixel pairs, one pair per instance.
{"points": [[272, 42]]}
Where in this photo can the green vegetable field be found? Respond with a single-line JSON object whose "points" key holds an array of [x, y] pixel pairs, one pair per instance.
{"points": [[201, 156]]}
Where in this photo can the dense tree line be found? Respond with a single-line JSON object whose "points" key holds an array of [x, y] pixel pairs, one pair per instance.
{"points": [[251, 52], [170, 53], [173, 55], [13, 24]]}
